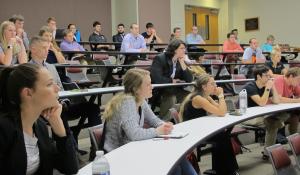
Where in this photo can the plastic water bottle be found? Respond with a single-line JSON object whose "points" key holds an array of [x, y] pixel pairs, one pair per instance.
{"points": [[100, 165], [243, 103]]}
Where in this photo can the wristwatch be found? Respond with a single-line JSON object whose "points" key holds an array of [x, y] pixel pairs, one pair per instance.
{"points": [[9, 46]]}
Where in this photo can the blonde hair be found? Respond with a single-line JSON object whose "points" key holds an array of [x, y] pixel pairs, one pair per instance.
{"points": [[294, 71], [201, 80], [4, 42], [132, 81], [45, 29], [276, 50]]}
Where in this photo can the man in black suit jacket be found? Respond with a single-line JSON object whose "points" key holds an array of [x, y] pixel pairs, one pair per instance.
{"points": [[118, 38], [169, 67]]}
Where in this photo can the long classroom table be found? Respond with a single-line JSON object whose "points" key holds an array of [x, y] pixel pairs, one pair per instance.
{"points": [[106, 90], [149, 157]]}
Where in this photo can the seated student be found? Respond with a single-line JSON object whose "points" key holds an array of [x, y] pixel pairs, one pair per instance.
{"points": [[275, 65], [268, 46], [39, 51], [231, 45], [196, 70], [127, 112], [194, 38], [68, 43], [133, 42], [28, 101], [259, 93], [235, 32], [77, 35], [54, 53], [170, 67], [12, 50], [288, 88], [51, 23], [150, 35], [198, 104], [252, 54], [18, 20], [176, 34], [118, 38], [98, 37]]}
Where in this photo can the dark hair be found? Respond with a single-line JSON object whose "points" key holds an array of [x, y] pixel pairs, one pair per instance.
{"points": [[69, 25], [96, 23], [250, 40], [15, 18], [12, 81], [51, 19], [176, 28], [173, 45], [260, 70], [234, 30], [228, 34], [121, 25], [149, 25]]}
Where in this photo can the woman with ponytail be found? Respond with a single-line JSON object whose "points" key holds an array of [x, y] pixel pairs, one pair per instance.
{"points": [[28, 101], [127, 112], [199, 103]]}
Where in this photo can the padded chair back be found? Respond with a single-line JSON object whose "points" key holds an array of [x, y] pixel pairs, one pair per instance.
{"points": [[147, 64], [294, 63], [96, 134], [280, 160], [100, 57], [238, 86], [294, 142], [76, 74]]}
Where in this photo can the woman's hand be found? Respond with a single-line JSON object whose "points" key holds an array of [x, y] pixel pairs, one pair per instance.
{"points": [[19, 41], [52, 115], [165, 128], [219, 91]]}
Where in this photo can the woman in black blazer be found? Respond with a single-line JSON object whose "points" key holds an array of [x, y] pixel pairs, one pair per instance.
{"points": [[28, 102]]}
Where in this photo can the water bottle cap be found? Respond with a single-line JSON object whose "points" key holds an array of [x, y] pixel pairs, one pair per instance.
{"points": [[99, 153]]}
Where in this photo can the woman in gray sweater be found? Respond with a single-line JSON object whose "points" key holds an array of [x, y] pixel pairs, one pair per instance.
{"points": [[127, 112]]}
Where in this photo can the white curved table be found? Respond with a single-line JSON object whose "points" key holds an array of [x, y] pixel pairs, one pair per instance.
{"points": [[149, 157]]}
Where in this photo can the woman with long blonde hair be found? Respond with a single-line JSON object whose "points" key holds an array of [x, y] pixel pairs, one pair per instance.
{"points": [[128, 111], [275, 64], [198, 104], [12, 49]]}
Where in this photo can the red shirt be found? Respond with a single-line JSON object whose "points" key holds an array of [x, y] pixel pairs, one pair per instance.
{"points": [[231, 47], [286, 90]]}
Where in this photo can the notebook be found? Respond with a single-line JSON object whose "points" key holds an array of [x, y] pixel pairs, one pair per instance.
{"points": [[173, 135]]}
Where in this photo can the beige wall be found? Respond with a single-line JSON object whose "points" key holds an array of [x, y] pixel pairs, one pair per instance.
{"points": [[178, 13], [277, 17], [79, 12], [159, 15], [124, 11]]}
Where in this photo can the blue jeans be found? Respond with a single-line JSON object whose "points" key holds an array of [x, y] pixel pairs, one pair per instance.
{"points": [[184, 168]]}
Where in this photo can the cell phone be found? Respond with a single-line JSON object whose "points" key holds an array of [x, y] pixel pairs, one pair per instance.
{"points": [[236, 113]]}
